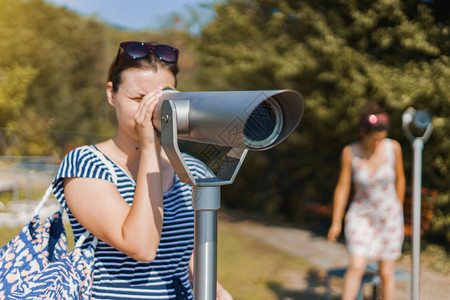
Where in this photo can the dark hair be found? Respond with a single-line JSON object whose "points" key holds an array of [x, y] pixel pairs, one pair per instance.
{"points": [[373, 118], [125, 62]]}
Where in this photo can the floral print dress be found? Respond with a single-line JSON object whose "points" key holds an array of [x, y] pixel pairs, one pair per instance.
{"points": [[374, 222]]}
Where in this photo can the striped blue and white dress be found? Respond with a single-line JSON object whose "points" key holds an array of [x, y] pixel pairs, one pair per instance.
{"points": [[118, 276]]}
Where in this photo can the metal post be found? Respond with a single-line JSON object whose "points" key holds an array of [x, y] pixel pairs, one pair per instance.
{"points": [[416, 207], [420, 120], [206, 202]]}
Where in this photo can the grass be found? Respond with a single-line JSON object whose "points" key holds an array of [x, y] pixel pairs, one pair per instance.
{"points": [[250, 269], [7, 233], [5, 197], [36, 193]]}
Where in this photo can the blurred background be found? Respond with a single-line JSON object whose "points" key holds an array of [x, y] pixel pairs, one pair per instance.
{"points": [[54, 57]]}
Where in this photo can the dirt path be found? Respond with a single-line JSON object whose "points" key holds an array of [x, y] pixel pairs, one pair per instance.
{"points": [[325, 256]]}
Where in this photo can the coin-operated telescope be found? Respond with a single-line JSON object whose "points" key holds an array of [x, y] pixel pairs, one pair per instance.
{"points": [[242, 120], [239, 120], [416, 121]]}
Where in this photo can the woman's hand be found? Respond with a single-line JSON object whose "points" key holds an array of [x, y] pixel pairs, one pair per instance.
{"points": [[143, 117], [341, 193], [334, 232]]}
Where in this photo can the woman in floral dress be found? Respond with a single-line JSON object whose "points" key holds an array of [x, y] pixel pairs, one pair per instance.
{"points": [[374, 221]]}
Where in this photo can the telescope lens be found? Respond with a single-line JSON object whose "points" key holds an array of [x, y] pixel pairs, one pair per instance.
{"points": [[421, 119], [264, 125]]}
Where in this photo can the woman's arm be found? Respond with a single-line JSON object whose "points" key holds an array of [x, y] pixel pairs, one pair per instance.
{"points": [[97, 204], [341, 193], [399, 172], [134, 230]]}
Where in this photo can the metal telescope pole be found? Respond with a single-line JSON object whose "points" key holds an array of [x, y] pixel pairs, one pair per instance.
{"points": [[420, 120], [206, 203], [416, 196]]}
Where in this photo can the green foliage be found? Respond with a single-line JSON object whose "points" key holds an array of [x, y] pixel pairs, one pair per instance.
{"points": [[14, 84], [64, 93], [29, 135], [54, 63], [337, 54], [261, 267]]}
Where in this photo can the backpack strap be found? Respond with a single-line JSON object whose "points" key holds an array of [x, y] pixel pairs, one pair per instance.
{"points": [[83, 238], [44, 199]]}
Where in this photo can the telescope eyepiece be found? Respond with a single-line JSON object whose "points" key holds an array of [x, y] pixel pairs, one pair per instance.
{"points": [[421, 119]]}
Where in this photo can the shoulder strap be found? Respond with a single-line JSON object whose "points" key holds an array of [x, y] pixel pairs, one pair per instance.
{"points": [[355, 153], [44, 199], [390, 151], [83, 238]]}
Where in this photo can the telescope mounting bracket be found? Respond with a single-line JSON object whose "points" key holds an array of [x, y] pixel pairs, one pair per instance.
{"points": [[174, 111]]}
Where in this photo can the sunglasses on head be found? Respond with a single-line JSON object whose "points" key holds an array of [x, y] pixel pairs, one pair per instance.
{"points": [[136, 50]]}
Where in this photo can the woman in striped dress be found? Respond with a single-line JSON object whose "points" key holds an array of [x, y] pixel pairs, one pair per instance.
{"points": [[143, 218]]}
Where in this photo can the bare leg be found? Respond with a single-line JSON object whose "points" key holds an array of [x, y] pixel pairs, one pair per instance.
{"points": [[387, 273], [353, 276]]}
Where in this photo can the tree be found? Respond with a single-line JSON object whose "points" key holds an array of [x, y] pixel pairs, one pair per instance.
{"points": [[337, 54], [53, 72]]}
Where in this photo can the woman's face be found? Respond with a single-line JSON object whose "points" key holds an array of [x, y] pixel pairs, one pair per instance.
{"points": [[372, 140], [136, 83]]}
